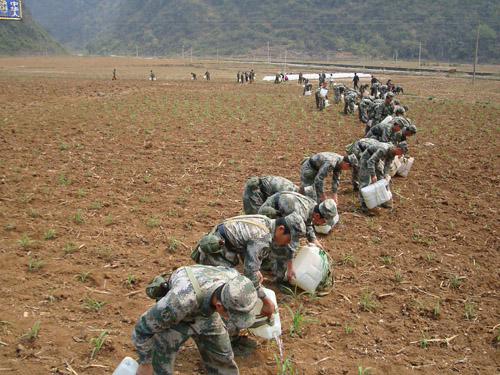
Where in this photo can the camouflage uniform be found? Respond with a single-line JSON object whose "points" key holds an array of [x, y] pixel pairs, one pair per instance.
{"points": [[184, 312], [364, 107], [381, 111], [383, 89], [370, 165], [315, 169], [257, 190], [250, 237], [384, 132], [338, 90], [350, 101], [357, 148]]}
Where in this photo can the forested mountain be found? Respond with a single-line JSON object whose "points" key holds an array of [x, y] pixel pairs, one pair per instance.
{"points": [[26, 37], [371, 28]]}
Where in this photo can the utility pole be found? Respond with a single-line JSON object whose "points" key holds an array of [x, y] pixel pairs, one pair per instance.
{"points": [[268, 53], [475, 56], [396, 56], [183, 51], [286, 52], [136, 51], [420, 55], [217, 55], [191, 54]]}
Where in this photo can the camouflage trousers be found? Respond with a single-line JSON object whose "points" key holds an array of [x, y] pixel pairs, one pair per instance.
{"points": [[307, 177], [252, 200], [215, 350], [349, 105]]}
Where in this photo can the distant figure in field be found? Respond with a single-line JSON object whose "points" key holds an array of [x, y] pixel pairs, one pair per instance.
{"points": [[355, 80], [152, 76], [114, 75], [207, 75], [252, 76], [301, 78], [193, 76], [238, 77]]}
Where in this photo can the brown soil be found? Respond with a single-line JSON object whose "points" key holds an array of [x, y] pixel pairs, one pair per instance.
{"points": [[130, 174]]}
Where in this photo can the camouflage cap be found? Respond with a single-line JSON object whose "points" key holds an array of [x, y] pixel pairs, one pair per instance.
{"points": [[401, 121], [353, 160], [310, 192], [296, 225], [403, 146], [399, 110], [210, 244], [390, 94], [253, 182], [397, 102], [328, 209], [239, 298], [411, 128]]}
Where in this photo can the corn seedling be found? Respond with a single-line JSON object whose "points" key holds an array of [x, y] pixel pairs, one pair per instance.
{"points": [[368, 302], [92, 304], [32, 333], [348, 260], [34, 214], [97, 344], [153, 222], [285, 366], [364, 371], [398, 277], [299, 320], [34, 265], [131, 281], [470, 310], [25, 242], [424, 343], [173, 244], [81, 193], [96, 205], [386, 260], [455, 282], [109, 220], [78, 218], [64, 181], [105, 253], [83, 276], [50, 235], [63, 146], [436, 311], [348, 330], [70, 248]]}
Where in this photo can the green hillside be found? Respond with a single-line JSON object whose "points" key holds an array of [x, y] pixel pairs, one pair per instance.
{"points": [[371, 28], [26, 37]]}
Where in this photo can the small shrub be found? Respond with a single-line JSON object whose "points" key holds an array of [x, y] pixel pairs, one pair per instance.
{"points": [[78, 218], [34, 265], [153, 222], [25, 242], [470, 310], [93, 305], [70, 248]]}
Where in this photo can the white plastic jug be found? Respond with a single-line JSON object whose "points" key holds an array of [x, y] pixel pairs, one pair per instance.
{"points": [[395, 165], [266, 331], [308, 93], [328, 226], [406, 164], [376, 194], [309, 267], [387, 120], [127, 367], [323, 93]]}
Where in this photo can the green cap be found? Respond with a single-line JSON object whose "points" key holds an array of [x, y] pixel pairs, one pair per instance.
{"points": [[239, 298], [328, 209], [296, 225], [210, 244]]}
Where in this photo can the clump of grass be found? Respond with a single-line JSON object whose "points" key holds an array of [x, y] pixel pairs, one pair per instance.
{"points": [[92, 304], [367, 302], [83, 277], [25, 242], [78, 218], [364, 371], [348, 329], [173, 244], [131, 281], [387, 260], [32, 333], [424, 343], [285, 366], [109, 220], [34, 265], [348, 260], [299, 320], [96, 205], [70, 248], [398, 277], [50, 235], [455, 282], [430, 257], [81, 193], [63, 180], [470, 310], [436, 311], [98, 343], [63, 146], [105, 253], [153, 222], [34, 214]]}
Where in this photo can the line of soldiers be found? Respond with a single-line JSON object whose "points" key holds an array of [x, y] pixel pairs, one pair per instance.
{"points": [[246, 77]]}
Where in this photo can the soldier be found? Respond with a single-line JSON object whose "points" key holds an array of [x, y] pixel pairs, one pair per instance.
{"points": [[364, 107], [252, 239], [357, 148], [338, 90], [258, 189], [301, 78], [114, 75], [370, 170], [384, 109], [152, 76], [383, 89], [409, 129], [197, 298], [207, 75], [320, 99], [315, 169], [355, 81], [285, 203], [252, 76], [350, 98], [193, 76], [388, 131], [375, 84], [307, 86], [238, 77]]}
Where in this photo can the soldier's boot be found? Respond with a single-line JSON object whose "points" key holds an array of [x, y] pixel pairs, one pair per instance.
{"points": [[365, 210], [387, 205], [243, 346]]}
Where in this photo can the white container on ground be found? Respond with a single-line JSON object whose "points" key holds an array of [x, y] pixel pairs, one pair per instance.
{"points": [[309, 268], [127, 367], [327, 103], [395, 165], [323, 93], [376, 194], [406, 164], [267, 331], [328, 226], [308, 93]]}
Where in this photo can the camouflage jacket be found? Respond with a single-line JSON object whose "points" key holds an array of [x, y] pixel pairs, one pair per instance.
{"points": [[382, 111], [361, 145], [180, 305], [383, 132], [376, 153], [323, 163], [289, 202], [252, 237], [274, 184]]}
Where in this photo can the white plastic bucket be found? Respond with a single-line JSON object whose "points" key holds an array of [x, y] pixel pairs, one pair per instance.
{"points": [[376, 194], [327, 103], [266, 331], [328, 226], [406, 164], [308, 93], [395, 165], [387, 120], [127, 367], [309, 267], [323, 93]]}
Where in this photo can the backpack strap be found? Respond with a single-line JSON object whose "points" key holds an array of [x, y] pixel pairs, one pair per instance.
{"points": [[196, 285], [261, 226]]}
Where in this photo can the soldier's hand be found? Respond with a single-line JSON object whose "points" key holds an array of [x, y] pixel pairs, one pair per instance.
{"points": [[261, 278], [317, 243], [268, 307], [335, 198], [290, 273], [145, 369], [374, 179]]}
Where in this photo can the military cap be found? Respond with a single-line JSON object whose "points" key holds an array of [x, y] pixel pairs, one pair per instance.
{"points": [[269, 212], [403, 146], [239, 298], [411, 128], [296, 225], [328, 209], [253, 182], [399, 110], [210, 244], [390, 94], [352, 160], [309, 192]]}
